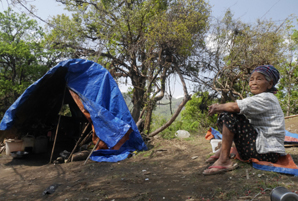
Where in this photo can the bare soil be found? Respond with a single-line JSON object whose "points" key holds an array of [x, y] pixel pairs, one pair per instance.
{"points": [[169, 170]]}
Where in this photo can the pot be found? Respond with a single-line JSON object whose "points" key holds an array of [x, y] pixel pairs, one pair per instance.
{"points": [[282, 194]]}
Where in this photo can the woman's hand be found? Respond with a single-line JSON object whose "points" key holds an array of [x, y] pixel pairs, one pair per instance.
{"points": [[218, 108], [213, 109]]}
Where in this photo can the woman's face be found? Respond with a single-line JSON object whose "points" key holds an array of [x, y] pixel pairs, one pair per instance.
{"points": [[258, 83]]}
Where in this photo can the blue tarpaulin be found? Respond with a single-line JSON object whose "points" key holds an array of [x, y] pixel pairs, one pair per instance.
{"points": [[100, 96]]}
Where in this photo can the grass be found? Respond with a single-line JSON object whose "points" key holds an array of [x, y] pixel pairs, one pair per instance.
{"points": [[145, 154]]}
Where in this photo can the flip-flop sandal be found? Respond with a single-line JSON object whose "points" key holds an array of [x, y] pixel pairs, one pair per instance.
{"points": [[212, 159], [221, 169]]}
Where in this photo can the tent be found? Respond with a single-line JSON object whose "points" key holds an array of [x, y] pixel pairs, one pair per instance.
{"points": [[92, 95]]}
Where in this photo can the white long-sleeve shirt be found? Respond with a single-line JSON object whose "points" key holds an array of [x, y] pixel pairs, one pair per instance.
{"points": [[265, 114]]}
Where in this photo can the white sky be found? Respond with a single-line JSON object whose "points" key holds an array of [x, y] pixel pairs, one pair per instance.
{"points": [[246, 10]]}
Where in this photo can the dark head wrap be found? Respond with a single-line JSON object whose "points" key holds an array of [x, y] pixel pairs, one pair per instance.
{"points": [[269, 72]]}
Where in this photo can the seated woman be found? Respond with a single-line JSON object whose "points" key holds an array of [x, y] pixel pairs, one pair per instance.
{"points": [[255, 124]]}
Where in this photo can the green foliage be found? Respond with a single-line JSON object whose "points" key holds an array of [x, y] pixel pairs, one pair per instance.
{"points": [[65, 111], [239, 48], [169, 133], [288, 83], [21, 56], [140, 40], [195, 116], [288, 88]]}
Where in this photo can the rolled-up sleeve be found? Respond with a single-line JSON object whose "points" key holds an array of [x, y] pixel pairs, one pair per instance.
{"points": [[254, 105]]}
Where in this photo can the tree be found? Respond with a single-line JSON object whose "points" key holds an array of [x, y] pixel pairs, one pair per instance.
{"points": [[288, 84], [235, 49], [146, 41], [21, 56]]}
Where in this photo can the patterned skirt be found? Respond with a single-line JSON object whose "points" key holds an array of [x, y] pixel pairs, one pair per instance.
{"points": [[244, 136]]}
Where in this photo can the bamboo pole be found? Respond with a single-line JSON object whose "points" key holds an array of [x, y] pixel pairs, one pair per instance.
{"points": [[70, 155], [86, 138], [57, 126], [92, 151]]}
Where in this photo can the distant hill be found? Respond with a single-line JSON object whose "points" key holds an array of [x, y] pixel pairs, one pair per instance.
{"points": [[162, 108]]}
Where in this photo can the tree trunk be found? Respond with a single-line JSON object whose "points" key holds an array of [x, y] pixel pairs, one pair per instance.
{"points": [[137, 97], [288, 104], [148, 117]]}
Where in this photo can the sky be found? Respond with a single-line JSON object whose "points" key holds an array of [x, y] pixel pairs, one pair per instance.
{"points": [[251, 10], [246, 10]]}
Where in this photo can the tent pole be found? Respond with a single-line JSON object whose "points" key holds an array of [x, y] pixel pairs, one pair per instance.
{"points": [[86, 138], [92, 150], [70, 155], [57, 125]]}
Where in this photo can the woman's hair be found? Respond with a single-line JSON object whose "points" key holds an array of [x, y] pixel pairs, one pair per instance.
{"points": [[267, 77]]}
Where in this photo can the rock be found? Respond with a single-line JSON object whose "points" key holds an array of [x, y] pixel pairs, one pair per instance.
{"points": [[79, 156]]}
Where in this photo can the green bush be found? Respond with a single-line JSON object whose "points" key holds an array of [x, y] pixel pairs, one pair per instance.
{"points": [[194, 118], [195, 115]]}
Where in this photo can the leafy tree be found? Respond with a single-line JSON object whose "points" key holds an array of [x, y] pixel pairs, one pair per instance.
{"points": [[21, 56], [288, 88], [288, 84], [236, 49], [146, 41]]}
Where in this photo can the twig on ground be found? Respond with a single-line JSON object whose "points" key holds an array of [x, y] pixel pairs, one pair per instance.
{"points": [[267, 189]]}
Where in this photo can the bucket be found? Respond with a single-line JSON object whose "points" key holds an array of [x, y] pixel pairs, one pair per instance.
{"points": [[282, 194], [216, 144], [13, 145], [28, 143], [40, 144]]}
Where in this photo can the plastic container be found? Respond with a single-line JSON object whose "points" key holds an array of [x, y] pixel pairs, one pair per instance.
{"points": [[40, 144], [182, 134], [282, 194], [18, 154], [216, 144], [12, 145], [28, 143]]}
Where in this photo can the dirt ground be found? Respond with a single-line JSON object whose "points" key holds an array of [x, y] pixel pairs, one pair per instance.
{"points": [[169, 170]]}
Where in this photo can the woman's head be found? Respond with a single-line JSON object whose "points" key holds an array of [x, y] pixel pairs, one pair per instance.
{"points": [[263, 78]]}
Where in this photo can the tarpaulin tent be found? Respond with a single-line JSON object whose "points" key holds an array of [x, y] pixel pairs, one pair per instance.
{"points": [[90, 89]]}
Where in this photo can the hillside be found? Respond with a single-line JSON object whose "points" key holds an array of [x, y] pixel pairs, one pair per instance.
{"points": [[163, 107]]}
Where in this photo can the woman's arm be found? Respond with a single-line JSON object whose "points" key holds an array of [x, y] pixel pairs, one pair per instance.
{"points": [[227, 107]]}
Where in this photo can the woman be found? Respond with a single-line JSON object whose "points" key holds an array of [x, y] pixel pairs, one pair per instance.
{"points": [[255, 124]]}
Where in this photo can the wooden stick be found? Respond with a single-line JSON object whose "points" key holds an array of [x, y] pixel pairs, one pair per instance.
{"points": [[92, 150], [58, 125], [78, 142], [291, 116], [86, 138]]}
